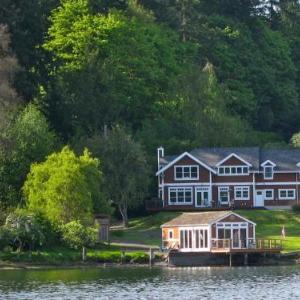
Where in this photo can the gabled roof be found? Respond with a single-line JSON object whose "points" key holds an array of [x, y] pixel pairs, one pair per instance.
{"points": [[284, 159], [200, 218], [233, 155], [268, 163], [180, 157]]}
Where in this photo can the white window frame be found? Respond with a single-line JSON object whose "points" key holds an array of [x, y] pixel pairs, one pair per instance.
{"points": [[269, 198], [272, 176], [287, 197], [170, 231], [190, 172], [241, 189], [223, 189], [206, 239], [172, 189], [233, 170]]}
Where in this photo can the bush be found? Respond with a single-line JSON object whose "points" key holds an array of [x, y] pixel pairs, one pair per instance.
{"points": [[76, 235], [296, 208], [5, 237], [24, 229], [49, 230]]}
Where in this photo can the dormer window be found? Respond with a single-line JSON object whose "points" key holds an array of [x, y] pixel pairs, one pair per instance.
{"points": [[268, 167], [268, 172], [186, 172]]}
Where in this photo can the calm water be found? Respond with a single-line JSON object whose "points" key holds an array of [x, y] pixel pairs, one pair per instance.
{"points": [[157, 283]]}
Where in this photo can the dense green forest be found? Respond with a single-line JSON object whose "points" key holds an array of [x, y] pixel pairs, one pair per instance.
{"points": [[122, 77]]}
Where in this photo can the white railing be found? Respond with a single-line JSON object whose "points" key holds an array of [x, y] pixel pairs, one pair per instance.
{"points": [[263, 244]]}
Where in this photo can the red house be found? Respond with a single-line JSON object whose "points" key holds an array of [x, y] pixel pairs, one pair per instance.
{"points": [[228, 178]]}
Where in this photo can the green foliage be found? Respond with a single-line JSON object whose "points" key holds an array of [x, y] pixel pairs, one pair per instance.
{"points": [[6, 237], [65, 187], [27, 139], [24, 230], [295, 140], [296, 208], [27, 22], [76, 235], [125, 65], [125, 168]]}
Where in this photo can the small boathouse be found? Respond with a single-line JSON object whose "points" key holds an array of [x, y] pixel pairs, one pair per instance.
{"points": [[210, 237]]}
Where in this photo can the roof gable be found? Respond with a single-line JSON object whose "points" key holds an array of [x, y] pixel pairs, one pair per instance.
{"points": [[268, 163], [171, 163], [231, 156]]}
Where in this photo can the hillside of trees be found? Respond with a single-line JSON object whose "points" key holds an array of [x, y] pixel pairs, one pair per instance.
{"points": [[122, 77]]}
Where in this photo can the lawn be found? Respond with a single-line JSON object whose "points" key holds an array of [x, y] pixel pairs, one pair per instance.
{"points": [[269, 225], [66, 256], [146, 230]]}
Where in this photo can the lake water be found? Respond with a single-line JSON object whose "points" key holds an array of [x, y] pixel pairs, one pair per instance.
{"points": [[156, 283]]}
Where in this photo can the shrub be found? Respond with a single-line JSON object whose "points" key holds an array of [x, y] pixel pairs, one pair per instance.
{"points": [[24, 229], [5, 237], [76, 235], [296, 208], [49, 230]]}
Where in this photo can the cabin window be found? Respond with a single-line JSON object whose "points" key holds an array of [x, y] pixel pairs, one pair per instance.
{"points": [[180, 195], [193, 238], [224, 195], [287, 194], [268, 172], [241, 193], [186, 172], [269, 194], [171, 234], [233, 170]]}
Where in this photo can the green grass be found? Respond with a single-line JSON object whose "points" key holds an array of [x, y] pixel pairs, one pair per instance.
{"points": [[269, 225], [146, 230], [60, 256]]}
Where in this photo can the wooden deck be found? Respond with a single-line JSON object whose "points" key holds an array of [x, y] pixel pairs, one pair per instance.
{"points": [[246, 246]]}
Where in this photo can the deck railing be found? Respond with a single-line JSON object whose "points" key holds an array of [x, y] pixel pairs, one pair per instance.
{"points": [[263, 244]]}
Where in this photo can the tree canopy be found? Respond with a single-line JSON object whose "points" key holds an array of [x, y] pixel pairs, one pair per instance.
{"points": [[65, 187], [183, 74]]}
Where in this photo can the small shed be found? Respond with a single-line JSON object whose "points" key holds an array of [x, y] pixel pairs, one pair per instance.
{"points": [[104, 225], [208, 232]]}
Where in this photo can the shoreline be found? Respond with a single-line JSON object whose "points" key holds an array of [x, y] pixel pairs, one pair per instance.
{"points": [[31, 266], [279, 262]]}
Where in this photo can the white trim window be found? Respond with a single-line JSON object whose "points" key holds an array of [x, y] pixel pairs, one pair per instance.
{"points": [[186, 172], [241, 193], [233, 170], [223, 192], [180, 196], [170, 234], [269, 194], [286, 194], [268, 172]]}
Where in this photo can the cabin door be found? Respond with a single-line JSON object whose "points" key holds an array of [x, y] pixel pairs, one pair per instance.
{"points": [[259, 199], [202, 197], [235, 238]]}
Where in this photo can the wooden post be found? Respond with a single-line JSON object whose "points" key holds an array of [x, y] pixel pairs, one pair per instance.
{"points": [[123, 258], [150, 257], [230, 260], [246, 259], [83, 253]]}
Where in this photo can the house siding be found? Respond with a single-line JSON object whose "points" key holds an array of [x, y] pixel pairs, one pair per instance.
{"points": [[255, 182]]}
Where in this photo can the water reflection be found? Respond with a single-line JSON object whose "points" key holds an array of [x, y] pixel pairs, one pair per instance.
{"points": [[156, 283]]}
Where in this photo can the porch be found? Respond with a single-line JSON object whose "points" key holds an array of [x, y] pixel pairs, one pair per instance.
{"points": [[246, 246]]}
